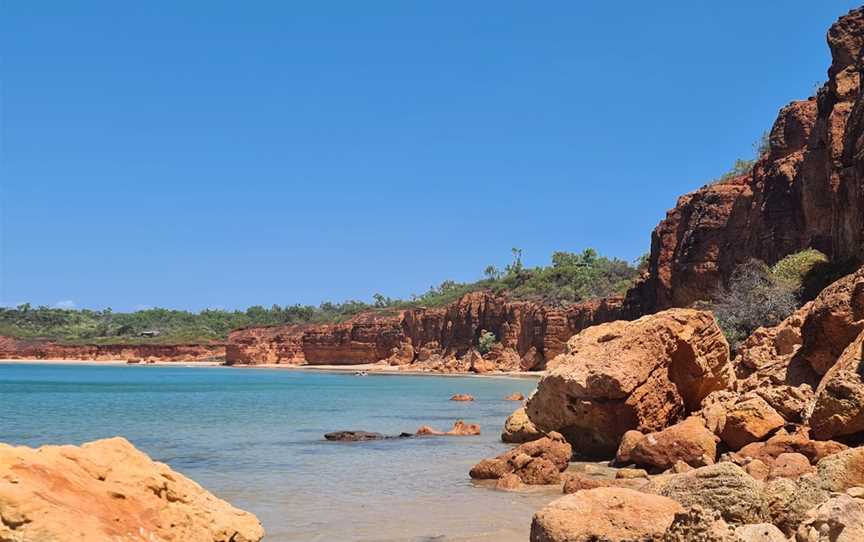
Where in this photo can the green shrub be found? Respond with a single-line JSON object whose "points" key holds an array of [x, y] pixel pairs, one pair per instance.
{"points": [[795, 268], [486, 341]]}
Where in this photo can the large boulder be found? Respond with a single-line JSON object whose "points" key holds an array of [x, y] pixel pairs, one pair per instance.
{"points": [[688, 441], [790, 465], [604, 514], [839, 407], [105, 490], [749, 420], [842, 471], [725, 488], [766, 356], [642, 375], [739, 419], [538, 462], [518, 428], [833, 321]]}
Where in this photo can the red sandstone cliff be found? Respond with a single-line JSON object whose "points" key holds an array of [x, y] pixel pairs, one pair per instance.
{"points": [[529, 334], [805, 191], [11, 348]]}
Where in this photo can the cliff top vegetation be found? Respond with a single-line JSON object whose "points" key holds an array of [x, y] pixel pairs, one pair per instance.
{"points": [[571, 277]]}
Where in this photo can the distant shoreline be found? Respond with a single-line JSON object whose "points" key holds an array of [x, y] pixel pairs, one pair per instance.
{"points": [[370, 368]]}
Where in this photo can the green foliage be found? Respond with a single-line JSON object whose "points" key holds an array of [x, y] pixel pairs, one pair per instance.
{"points": [[743, 166], [572, 277], [794, 269], [740, 167], [173, 326], [486, 341], [754, 298]]}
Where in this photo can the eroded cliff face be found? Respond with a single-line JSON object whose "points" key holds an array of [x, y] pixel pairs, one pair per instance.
{"points": [[805, 191], [11, 348], [529, 334]]}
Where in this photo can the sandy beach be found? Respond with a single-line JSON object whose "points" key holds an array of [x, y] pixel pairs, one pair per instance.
{"points": [[370, 368]]}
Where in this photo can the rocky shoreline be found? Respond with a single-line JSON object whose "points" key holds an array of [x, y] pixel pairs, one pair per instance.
{"points": [[762, 446], [699, 445]]}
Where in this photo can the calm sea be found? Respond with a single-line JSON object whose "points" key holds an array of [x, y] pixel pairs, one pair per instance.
{"points": [[254, 437]]}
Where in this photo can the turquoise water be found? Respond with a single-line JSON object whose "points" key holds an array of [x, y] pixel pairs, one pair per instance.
{"points": [[254, 437]]}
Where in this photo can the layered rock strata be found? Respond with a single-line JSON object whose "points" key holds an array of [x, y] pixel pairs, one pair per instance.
{"points": [[441, 339]]}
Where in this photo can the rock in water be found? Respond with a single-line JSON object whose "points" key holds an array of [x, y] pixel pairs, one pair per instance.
{"points": [[108, 490], [515, 397], [353, 436], [462, 397], [537, 462], [639, 375], [460, 429], [604, 514], [518, 428]]}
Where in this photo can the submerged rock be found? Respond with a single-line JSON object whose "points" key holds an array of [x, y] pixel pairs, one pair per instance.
{"points": [[108, 490], [460, 429], [462, 397], [353, 436], [359, 436]]}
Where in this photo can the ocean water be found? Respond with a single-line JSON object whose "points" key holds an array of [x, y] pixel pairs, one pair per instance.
{"points": [[255, 438]]}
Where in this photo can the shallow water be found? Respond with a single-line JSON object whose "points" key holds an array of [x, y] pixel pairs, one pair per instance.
{"points": [[254, 437]]}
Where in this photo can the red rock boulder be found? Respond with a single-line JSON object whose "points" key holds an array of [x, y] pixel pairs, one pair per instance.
{"points": [[639, 375], [604, 514], [688, 441], [538, 462], [108, 490], [839, 408]]}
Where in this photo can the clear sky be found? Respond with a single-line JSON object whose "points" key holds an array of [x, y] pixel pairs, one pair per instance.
{"points": [[224, 154]]}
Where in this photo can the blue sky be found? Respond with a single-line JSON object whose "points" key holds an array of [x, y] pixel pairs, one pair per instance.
{"points": [[225, 154]]}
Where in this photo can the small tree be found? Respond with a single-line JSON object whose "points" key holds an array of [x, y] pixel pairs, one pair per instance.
{"points": [[380, 301], [486, 341], [754, 298], [492, 273]]}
